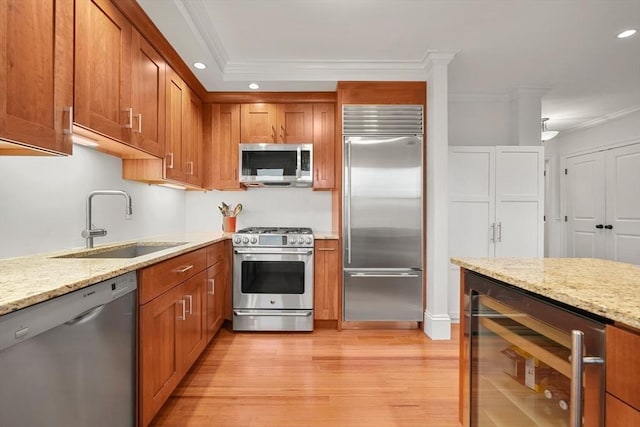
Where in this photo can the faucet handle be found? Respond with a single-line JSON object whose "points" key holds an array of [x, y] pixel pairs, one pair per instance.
{"points": [[94, 232]]}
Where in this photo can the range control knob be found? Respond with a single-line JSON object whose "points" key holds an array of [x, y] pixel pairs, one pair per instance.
{"points": [[254, 240], [301, 240], [236, 239], [245, 240], [308, 240], [292, 241]]}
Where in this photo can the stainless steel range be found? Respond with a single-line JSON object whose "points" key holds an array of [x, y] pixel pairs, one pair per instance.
{"points": [[273, 279]]}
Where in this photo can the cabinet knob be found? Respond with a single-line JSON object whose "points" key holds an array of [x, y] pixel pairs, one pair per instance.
{"points": [[599, 226], [608, 227]]}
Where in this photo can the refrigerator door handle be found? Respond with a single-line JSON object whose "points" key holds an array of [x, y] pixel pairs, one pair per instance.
{"points": [[399, 275], [348, 196]]}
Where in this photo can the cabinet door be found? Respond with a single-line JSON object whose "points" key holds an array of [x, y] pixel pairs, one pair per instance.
{"points": [[222, 140], [37, 37], [619, 414], [326, 280], [194, 335], [148, 96], [324, 146], [519, 202], [103, 69], [192, 138], [160, 357], [258, 123], [175, 112], [215, 296], [227, 283], [294, 123]]}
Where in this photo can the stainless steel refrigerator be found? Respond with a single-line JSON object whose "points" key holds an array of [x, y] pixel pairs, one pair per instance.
{"points": [[383, 213]]}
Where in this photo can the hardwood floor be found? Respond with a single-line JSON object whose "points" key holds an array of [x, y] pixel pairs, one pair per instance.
{"points": [[325, 378]]}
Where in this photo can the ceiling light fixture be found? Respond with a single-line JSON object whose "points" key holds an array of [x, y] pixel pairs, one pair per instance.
{"points": [[254, 86], [547, 134], [200, 65], [627, 33]]}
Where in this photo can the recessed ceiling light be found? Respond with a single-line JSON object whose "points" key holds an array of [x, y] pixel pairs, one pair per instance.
{"points": [[254, 86], [627, 33], [199, 65]]}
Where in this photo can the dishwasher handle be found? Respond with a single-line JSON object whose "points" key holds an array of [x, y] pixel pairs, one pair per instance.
{"points": [[85, 317]]}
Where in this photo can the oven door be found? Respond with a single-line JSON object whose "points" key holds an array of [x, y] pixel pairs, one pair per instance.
{"points": [[273, 278]]}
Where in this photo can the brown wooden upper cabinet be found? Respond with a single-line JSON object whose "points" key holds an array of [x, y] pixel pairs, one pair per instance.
{"points": [[287, 123], [119, 78], [36, 92], [222, 138], [324, 146], [183, 160]]}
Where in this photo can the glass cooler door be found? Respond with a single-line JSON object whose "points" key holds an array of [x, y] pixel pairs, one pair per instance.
{"points": [[521, 370]]}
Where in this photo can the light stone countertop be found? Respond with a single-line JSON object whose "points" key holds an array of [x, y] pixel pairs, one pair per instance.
{"points": [[28, 280], [325, 235], [605, 288]]}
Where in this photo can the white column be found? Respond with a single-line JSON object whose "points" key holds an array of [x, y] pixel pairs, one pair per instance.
{"points": [[526, 108], [437, 323]]}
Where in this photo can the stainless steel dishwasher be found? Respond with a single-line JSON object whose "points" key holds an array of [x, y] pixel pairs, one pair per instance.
{"points": [[70, 361]]}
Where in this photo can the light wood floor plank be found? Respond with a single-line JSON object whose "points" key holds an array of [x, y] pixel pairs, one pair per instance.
{"points": [[352, 378]]}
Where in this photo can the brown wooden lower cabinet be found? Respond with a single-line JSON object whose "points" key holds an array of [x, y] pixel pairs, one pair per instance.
{"points": [[623, 377], [177, 320], [326, 280]]}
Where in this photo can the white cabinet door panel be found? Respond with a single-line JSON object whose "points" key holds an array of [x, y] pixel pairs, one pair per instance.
{"points": [[518, 229]]}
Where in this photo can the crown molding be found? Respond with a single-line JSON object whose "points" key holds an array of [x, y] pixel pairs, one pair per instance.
{"points": [[534, 91], [197, 17], [603, 119]]}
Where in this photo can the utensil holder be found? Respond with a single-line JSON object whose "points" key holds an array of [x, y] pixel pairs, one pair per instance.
{"points": [[229, 224]]}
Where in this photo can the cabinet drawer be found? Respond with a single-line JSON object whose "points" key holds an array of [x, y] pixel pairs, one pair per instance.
{"points": [[619, 414], [623, 365], [161, 277], [215, 253]]}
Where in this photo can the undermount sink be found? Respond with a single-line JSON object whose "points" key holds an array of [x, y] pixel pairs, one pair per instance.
{"points": [[129, 251]]}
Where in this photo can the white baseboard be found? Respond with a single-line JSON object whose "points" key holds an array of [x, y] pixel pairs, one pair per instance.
{"points": [[438, 326], [454, 316]]}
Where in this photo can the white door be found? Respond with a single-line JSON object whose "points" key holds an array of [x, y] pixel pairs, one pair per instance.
{"points": [[471, 210], [622, 228], [586, 206], [519, 202]]}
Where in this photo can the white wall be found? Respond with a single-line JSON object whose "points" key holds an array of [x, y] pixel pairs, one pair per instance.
{"points": [[620, 131], [43, 200], [284, 207], [480, 122]]}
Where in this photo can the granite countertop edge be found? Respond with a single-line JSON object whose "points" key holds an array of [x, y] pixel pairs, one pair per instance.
{"points": [[32, 279], [605, 288]]}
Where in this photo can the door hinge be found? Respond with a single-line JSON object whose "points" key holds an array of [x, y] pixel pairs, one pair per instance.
{"points": [[544, 173], [544, 218], [565, 218], [566, 171]]}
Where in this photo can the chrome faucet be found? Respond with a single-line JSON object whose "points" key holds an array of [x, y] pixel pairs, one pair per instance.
{"points": [[89, 233]]}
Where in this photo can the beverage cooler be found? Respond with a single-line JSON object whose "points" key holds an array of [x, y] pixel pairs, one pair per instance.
{"points": [[527, 361]]}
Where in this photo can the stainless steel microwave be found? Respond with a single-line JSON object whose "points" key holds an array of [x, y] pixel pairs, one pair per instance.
{"points": [[276, 165]]}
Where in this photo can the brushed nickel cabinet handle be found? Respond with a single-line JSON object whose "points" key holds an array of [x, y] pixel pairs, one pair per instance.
{"points": [[140, 123], [184, 269], [129, 124], [326, 249], [190, 311], [170, 164], [69, 130], [184, 313], [212, 286], [190, 163]]}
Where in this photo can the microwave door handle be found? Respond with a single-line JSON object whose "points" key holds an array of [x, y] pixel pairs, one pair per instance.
{"points": [[299, 163]]}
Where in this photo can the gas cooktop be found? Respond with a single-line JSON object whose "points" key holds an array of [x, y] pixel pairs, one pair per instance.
{"points": [[274, 237], [276, 230]]}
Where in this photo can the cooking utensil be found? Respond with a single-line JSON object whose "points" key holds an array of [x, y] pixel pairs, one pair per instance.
{"points": [[237, 209]]}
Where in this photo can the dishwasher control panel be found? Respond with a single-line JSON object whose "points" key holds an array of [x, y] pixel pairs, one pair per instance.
{"points": [[67, 309]]}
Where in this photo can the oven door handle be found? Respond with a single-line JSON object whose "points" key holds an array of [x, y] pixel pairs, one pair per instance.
{"points": [[268, 313], [254, 252]]}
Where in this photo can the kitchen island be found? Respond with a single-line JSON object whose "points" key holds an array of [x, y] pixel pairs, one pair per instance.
{"points": [[526, 309]]}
